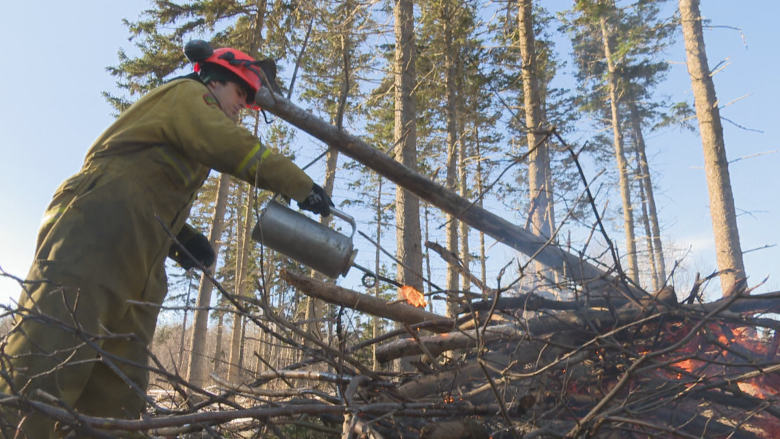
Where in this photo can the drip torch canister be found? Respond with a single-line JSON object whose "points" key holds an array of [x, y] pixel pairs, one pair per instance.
{"points": [[306, 241]]}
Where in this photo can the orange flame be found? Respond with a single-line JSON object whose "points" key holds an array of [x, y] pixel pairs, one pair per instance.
{"points": [[756, 389], [412, 296], [687, 365]]}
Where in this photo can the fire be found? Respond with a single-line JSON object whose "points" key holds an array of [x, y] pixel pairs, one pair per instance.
{"points": [[687, 365], [412, 296], [756, 389], [718, 352]]}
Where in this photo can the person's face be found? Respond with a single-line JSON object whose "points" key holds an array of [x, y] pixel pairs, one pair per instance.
{"points": [[231, 97]]}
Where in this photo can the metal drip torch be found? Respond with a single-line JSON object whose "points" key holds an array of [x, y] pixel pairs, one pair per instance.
{"points": [[306, 241]]}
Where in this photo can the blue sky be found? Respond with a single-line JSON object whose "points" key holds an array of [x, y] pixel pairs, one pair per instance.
{"points": [[53, 74]]}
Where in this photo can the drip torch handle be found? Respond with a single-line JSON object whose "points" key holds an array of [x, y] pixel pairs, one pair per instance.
{"points": [[346, 218]]}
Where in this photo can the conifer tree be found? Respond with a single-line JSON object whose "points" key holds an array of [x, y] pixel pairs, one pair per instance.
{"points": [[633, 38], [539, 179], [408, 235], [716, 165], [545, 175]]}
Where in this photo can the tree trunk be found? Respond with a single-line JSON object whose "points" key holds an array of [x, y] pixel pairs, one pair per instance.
{"points": [[314, 310], [428, 255], [408, 235], [452, 152], [218, 343], [466, 274], [463, 176], [242, 348], [375, 319], [539, 154], [646, 183], [242, 262], [182, 343], [716, 165], [197, 367], [480, 188], [648, 233], [620, 155]]}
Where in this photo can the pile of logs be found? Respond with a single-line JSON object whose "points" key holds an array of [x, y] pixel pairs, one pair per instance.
{"points": [[595, 367]]}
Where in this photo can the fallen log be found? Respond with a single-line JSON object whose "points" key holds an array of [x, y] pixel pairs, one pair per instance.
{"points": [[398, 312], [459, 375], [445, 382], [571, 266], [576, 319], [535, 302], [538, 326]]}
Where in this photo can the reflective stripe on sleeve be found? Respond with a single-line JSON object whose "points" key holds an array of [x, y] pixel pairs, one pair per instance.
{"points": [[248, 167]]}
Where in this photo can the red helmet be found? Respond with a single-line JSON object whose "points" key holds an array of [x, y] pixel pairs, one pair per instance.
{"points": [[238, 62]]}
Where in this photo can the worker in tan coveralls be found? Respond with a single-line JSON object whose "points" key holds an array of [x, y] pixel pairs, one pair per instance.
{"points": [[101, 245]]}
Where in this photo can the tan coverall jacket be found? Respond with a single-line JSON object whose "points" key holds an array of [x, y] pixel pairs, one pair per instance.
{"points": [[100, 245]]}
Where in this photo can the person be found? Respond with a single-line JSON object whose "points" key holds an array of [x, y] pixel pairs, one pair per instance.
{"points": [[78, 342]]}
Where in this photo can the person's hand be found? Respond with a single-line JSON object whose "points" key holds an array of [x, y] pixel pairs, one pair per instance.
{"points": [[318, 201], [197, 245]]}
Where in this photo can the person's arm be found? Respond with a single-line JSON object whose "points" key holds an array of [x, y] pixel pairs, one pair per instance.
{"points": [[202, 131]]}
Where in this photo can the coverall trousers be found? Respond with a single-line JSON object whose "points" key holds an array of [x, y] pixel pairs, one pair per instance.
{"points": [[80, 341]]}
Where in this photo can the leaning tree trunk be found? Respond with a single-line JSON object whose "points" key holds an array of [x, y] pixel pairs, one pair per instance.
{"points": [[408, 234], [646, 183], [716, 165], [620, 155], [579, 270], [539, 154], [197, 367], [452, 150], [645, 220]]}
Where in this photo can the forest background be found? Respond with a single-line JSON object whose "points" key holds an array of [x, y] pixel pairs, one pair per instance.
{"points": [[54, 73]]}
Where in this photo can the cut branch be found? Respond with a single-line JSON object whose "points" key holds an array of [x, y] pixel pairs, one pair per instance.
{"points": [[336, 295]]}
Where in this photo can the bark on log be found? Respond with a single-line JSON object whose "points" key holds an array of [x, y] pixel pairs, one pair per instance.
{"points": [[574, 267], [578, 319], [534, 302], [444, 381], [763, 303], [375, 306], [539, 326]]}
